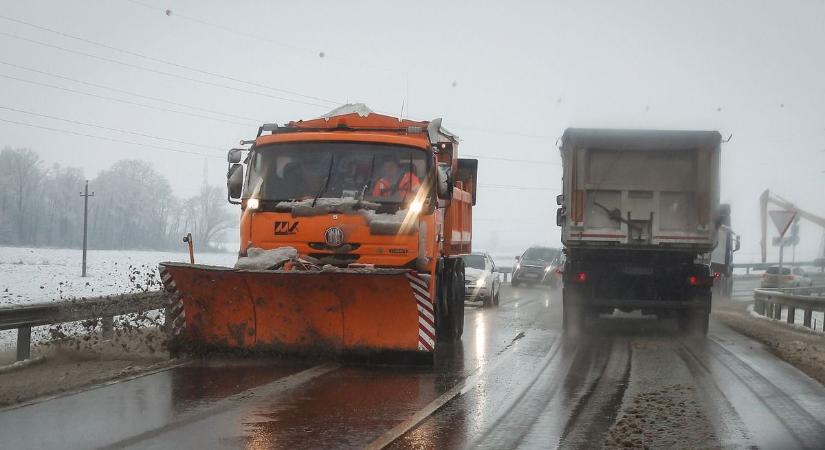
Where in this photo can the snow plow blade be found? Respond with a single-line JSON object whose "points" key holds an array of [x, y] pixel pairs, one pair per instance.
{"points": [[337, 311]]}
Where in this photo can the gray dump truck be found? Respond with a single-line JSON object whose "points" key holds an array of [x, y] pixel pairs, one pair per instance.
{"points": [[638, 210]]}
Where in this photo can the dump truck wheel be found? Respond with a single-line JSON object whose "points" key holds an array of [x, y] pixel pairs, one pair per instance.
{"points": [[443, 287], [694, 322], [458, 298], [572, 313]]}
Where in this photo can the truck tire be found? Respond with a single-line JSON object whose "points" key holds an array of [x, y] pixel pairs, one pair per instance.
{"points": [[443, 284], [572, 312], [695, 322], [495, 298], [458, 298]]}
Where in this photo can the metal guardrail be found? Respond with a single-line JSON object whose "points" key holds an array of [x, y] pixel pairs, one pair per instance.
{"points": [[24, 317], [506, 271], [769, 302]]}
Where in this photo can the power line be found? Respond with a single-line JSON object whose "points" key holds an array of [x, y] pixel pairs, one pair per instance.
{"points": [[224, 28], [101, 127], [163, 61], [128, 102], [531, 161], [123, 91], [103, 138], [161, 72]]}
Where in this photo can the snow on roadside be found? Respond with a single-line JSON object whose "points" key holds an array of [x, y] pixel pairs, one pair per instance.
{"points": [[34, 275]]}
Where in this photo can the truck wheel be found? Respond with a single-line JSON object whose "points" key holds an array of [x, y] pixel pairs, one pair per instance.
{"points": [[443, 288], [458, 298], [695, 322], [572, 313], [495, 298]]}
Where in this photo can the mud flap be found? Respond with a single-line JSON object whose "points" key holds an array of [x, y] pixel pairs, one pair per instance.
{"points": [[296, 312]]}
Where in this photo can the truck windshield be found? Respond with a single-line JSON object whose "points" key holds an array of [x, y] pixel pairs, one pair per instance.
{"points": [[295, 171]]}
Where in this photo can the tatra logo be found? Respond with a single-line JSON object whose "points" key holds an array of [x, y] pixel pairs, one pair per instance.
{"points": [[334, 237], [284, 228]]}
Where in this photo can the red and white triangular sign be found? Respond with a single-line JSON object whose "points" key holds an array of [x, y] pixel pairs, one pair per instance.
{"points": [[782, 219]]}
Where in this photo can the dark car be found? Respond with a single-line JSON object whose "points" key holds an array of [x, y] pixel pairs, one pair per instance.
{"points": [[536, 265]]}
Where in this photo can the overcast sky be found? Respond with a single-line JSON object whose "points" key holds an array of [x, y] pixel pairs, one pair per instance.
{"points": [[508, 77]]}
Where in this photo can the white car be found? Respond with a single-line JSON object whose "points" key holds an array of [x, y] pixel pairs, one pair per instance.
{"points": [[790, 277], [482, 281]]}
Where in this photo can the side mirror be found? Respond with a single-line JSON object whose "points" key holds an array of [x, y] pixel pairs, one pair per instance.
{"points": [[723, 215], [737, 244], [234, 181], [444, 189], [560, 199], [561, 213], [234, 156]]}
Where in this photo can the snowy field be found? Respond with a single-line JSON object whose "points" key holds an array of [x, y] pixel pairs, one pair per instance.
{"points": [[33, 275], [29, 275]]}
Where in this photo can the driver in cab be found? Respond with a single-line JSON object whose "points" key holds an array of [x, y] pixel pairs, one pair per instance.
{"points": [[394, 180]]}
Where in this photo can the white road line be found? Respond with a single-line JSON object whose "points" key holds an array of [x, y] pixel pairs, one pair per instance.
{"points": [[459, 389]]}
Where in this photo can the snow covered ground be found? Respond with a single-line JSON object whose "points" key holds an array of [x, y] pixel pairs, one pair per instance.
{"points": [[32, 275]]}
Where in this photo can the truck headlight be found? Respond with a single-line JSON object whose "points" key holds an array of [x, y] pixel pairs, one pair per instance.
{"points": [[253, 203], [481, 282], [416, 206]]}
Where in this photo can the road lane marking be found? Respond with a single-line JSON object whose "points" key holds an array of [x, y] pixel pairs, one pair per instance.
{"points": [[240, 399], [466, 385]]}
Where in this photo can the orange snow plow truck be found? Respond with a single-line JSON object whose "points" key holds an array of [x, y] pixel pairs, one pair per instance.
{"points": [[351, 228]]}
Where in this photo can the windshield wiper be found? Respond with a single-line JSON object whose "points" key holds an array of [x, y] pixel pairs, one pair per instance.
{"points": [[369, 181], [326, 183]]}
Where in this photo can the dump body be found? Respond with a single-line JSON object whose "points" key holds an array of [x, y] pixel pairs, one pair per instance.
{"points": [[662, 185], [638, 209], [377, 210]]}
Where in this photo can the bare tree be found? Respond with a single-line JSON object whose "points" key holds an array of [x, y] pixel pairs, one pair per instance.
{"points": [[208, 215], [21, 168]]}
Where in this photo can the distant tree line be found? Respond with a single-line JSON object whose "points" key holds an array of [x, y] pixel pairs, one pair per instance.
{"points": [[133, 207]]}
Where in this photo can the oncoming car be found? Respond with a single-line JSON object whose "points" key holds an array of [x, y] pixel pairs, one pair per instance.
{"points": [[536, 266], [481, 279]]}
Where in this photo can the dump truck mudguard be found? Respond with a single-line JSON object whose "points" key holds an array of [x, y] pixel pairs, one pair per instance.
{"points": [[337, 311]]}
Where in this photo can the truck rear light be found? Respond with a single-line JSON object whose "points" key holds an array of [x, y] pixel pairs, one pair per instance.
{"points": [[581, 277], [717, 275], [694, 280]]}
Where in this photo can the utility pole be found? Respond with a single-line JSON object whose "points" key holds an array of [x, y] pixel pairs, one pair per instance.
{"points": [[85, 194]]}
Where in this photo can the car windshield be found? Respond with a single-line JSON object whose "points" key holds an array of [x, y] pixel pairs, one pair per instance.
{"points": [[540, 254], [473, 261], [775, 271], [378, 173]]}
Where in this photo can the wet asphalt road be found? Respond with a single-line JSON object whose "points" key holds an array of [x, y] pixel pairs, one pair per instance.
{"points": [[513, 381]]}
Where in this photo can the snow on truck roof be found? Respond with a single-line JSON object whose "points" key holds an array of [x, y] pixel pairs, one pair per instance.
{"points": [[639, 139], [350, 108]]}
